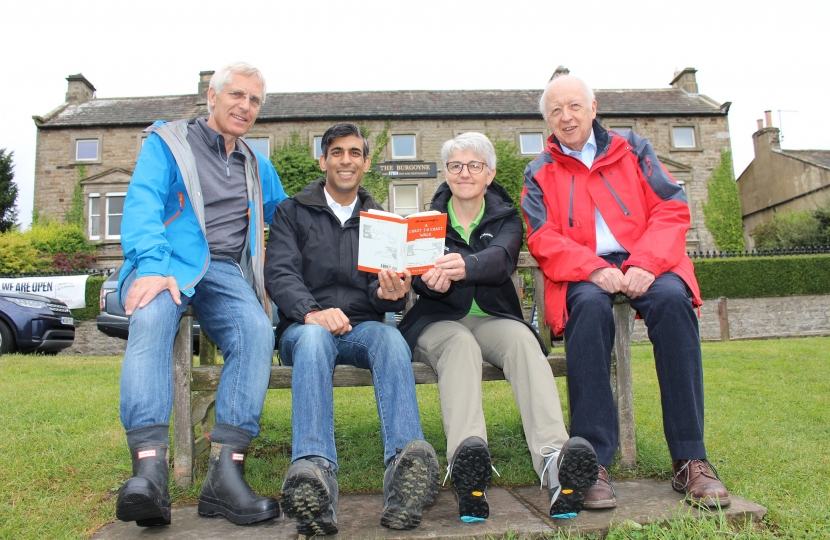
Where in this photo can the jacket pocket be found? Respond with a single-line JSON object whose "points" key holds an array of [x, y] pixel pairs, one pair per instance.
{"points": [[178, 212], [616, 197]]}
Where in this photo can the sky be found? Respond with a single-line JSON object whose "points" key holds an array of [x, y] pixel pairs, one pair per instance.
{"points": [[762, 55]]}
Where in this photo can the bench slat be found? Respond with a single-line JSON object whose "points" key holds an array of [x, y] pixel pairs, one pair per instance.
{"points": [[206, 378]]}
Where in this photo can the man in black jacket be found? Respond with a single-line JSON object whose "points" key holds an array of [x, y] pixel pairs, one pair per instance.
{"points": [[331, 313]]}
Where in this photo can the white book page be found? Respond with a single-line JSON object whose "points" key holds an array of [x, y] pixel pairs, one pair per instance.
{"points": [[423, 252], [381, 244]]}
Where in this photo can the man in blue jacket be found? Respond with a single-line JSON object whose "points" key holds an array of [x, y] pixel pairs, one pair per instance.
{"points": [[193, 234]]}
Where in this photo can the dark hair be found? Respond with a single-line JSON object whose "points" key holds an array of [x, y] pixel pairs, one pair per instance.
{"points": [[343, 130]]}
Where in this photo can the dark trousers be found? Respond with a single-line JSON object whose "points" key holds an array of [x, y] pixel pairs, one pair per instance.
{"points": [[667, 311]]}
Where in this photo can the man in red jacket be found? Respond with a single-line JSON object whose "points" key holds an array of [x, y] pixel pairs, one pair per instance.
{"points": [[604, 217]]}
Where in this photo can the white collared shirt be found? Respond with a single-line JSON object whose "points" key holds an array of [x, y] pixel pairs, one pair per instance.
{"points": [[606, 243], [343, 213]]}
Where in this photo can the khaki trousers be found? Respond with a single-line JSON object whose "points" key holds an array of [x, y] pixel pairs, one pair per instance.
{"points": [[455, 350]]}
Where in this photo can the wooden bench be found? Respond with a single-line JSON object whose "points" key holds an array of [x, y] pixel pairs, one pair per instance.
{"points": [[195, 386]]}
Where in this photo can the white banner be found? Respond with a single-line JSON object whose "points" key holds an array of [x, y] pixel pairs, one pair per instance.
{"points": [[70, 289]]}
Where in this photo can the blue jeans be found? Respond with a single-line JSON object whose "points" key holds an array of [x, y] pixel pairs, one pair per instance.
{"points": [[228, 310], [314, 351], [667, 310]]}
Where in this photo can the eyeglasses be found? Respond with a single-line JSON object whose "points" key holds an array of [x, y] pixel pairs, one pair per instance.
{"points": [[255, 101], [473, 167]]}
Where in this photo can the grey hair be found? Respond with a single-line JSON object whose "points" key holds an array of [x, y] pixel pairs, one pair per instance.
{"points": [[222, 77], [476, 143], [588, 92]]}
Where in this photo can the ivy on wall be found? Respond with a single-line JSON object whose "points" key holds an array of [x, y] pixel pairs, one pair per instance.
{"points": [[373, 181], [723, 211]]}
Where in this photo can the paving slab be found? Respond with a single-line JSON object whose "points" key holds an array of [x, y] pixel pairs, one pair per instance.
{"points": [[515, 509]]}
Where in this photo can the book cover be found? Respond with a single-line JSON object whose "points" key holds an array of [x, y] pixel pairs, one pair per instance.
{"points": [[390, 241]]}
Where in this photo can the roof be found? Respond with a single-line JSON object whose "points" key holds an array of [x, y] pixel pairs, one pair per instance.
{"points": [[386, 104], [815, 157]]}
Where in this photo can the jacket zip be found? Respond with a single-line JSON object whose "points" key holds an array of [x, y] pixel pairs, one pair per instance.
{"points": [[614, 193], [571, 203]]}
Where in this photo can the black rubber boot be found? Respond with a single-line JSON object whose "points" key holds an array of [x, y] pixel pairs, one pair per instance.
{"points": [[226, 492], [144, 498]]}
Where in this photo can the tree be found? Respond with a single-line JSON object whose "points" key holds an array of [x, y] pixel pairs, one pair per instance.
{"points": [[295, 165], [8, 192], [723, 211]]}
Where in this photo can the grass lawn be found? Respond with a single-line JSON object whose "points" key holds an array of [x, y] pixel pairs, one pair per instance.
{"points": [[63, 456]]}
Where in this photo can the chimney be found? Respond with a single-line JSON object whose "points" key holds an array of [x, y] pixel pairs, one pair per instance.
{"points": [[80, 90], [560, 71], [685, 80], [204, 84], [768, 137]]}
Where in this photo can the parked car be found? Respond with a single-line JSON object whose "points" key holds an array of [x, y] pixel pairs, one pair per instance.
{"points": [[34, 323], [113, 321]]}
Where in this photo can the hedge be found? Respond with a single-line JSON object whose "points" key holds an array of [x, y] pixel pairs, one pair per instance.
{"points": [[763, 276], [93, 306]]}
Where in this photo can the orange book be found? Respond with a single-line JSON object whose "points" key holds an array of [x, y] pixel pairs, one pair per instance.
{"points": [[388, 240]]}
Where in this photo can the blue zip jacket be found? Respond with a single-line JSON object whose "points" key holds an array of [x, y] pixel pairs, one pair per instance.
{"points": [[163, 226]]}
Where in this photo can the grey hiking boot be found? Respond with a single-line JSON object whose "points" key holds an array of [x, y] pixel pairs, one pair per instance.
{"points": [[470, 471], [409, 483], [569, 473], [309, 494]]}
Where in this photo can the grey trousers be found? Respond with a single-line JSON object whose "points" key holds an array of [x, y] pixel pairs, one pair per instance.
{"points": [[455, 350]]}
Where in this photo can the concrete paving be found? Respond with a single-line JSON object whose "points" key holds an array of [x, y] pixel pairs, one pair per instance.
{"points": [[515, 509]]}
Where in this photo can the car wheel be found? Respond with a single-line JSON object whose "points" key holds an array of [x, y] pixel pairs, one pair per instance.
{"points": [[7, 344]]}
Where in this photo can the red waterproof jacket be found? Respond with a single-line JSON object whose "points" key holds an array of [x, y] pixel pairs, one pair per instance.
{"points": [[643, 206]]}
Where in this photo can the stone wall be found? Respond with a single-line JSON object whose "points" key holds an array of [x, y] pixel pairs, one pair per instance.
{"points": [[89, 341], [758, 318]]}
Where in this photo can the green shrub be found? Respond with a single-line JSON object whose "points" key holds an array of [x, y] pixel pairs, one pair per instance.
{"points": [[796, 229], [93, 292], [52, 237], [750, 277], [295, 165], [17, 255]]}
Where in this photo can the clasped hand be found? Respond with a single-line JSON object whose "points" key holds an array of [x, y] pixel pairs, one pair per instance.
{"points": [[448, 268], [634, 283]]}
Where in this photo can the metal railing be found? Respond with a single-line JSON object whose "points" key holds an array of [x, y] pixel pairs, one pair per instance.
{"points": [[772, 252]]}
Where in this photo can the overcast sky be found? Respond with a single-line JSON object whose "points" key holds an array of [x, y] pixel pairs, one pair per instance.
{"points": [[758, 55]]}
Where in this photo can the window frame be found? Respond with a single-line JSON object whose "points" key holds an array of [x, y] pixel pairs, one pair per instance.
{"points": [[393, 196], [519, 134], [95, 217], [73, 148], [695, 133], [391, 146], [107, 215], [312, 135], [262, 136]]}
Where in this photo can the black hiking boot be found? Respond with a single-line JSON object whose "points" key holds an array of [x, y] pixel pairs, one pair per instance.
{"points": [[409, 483], [310, 494], [576, 469], [470, 472]]}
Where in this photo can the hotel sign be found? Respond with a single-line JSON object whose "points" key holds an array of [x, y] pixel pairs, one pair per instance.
{"points": [[408, 170]]}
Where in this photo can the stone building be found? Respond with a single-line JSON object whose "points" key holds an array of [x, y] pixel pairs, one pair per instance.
{"points": [[781, 181], [100, 139]]}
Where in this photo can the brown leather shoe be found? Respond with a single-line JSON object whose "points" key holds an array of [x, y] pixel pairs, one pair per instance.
{"points": [[601, 495], [698, 479]]}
